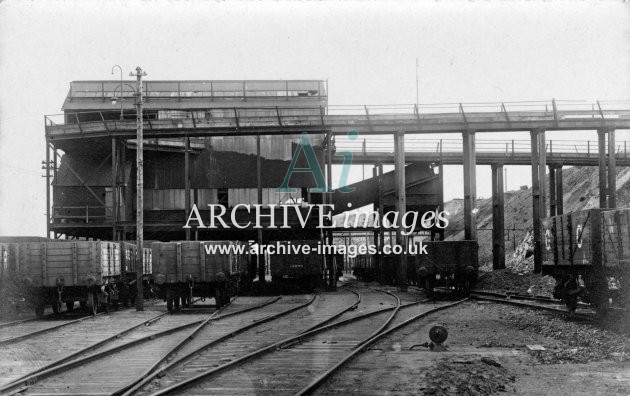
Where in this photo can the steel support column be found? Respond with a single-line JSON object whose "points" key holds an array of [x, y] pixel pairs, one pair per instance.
{"points": [[601, 139], [381, 210], [377, 231], [559, 191], [612, 170], [552, 190], [261, 256], [498, 219], [125, 207], [441, 194], [542, 172], [114, 187], [47, 168], [332, 283], [470, 185], [401, 206], [187, 182], [536, 199]]}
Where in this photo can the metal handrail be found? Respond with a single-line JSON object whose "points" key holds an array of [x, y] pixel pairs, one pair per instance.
{"points": [[509, 147], [593, 110]]}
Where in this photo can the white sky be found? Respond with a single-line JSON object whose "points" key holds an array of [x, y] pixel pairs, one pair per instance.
{"points": [[467, 51]]}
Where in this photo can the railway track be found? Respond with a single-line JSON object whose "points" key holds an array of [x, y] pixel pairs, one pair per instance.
{"points": [[129, 362], [518, 296], [35, 327], [286, 366], [542, 305], [20, 321], [32, 327], [162, 325], [27, 355], [235, 339]]}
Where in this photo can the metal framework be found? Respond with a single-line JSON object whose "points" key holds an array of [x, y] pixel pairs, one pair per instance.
{"points": [[403, 123]]}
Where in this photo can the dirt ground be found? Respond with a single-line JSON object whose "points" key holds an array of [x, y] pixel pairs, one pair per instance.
{"points": [[487, 353]]}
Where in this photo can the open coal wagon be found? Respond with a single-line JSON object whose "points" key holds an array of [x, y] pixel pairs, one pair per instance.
{"points": [[57, 273], [588, 253], [454, 264], [185, 270], [304, 270], [128, 281]]}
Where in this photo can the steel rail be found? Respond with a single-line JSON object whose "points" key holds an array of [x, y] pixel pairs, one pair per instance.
{"points": [[146, 377], [67, 362], [280, 345], [359, 348], [189, 337], [522, 297], [526, 305], [82, 351], [17, 322], [38, 332], [48, 329], [50, 370], [338, 314]]}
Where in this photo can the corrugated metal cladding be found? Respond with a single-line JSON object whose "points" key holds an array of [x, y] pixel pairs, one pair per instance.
{"points": [[87, 168], [271, 147], [164, 173], [175, 199], [229, 163]]}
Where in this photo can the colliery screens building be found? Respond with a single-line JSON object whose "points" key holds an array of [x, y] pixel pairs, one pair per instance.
{"points": [[93, 170]]}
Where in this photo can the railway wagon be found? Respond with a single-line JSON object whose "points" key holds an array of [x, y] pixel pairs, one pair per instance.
{"points": [[8, 252], [586, 251], [449, 263], [387, 272], [184, 270], [305, 270], [616, 237], [339, 264], [363, 267], [64, 272], [128, 258]]}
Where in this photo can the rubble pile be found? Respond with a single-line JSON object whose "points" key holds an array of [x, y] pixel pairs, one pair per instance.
{"points": [[508, 281], [522, 260], [467, 377], [581, 191], [13, 295], [585, 343]]}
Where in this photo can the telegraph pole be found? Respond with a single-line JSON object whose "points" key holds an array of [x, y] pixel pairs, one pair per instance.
{"points": [[139, 189]]}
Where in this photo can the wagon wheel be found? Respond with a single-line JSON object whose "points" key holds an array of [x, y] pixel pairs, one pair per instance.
{"points": [[217, 297], [428, 287], [39, 310], [70, 305], [56, 307], [601, 308], [571, 302], [92, 303], [466, 287]]}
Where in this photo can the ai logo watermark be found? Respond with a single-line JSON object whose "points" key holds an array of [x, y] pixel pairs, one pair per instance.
{"points": [[313, 167]]}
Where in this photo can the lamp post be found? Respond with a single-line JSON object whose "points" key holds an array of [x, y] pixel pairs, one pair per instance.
{"points": [[121, 88], [139, 188]]}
